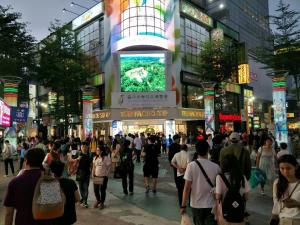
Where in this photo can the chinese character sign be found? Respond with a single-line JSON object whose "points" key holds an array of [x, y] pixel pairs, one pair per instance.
{"points": [[209, 95], [279, 106], [244, 74]]}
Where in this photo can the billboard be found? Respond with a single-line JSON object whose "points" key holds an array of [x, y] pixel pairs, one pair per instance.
{"points": [[5, 114], [19, 114], [142, 72]]}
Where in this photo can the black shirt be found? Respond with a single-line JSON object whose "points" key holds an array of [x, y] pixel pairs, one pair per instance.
{"points": [[152, 151], [85, 164], [69, 187]]}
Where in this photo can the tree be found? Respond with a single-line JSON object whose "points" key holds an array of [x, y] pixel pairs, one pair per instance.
{"points": [[283, 54], [16, 49], [62, 69]]}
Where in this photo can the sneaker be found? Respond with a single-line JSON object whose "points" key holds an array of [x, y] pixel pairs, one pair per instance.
{"points": [[147, 189], [5, 175], [154, 191], [101, 206], [262, 193], [96, 205], [125, 192], [85, 205], [81, 201], [131, 193]]}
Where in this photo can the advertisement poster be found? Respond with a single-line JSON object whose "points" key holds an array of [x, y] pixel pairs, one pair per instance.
{"points": [[19, 114], [5, 114], [209, 110], [279, 106], [87, 118]]}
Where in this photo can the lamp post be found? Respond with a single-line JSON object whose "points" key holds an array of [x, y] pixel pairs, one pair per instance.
{"points": [[81, 6], [66, 10]]}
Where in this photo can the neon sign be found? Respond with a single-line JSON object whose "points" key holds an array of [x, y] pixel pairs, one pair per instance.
{"points": [[230, 117]]}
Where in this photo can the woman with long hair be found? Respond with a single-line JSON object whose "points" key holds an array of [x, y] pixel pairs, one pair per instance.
{"points": [[286, 192], [101, 169], [231, 173], [53, 155], [266, 157]]}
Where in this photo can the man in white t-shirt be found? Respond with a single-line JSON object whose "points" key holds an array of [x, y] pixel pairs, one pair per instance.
{"points": [[179, 162], [202, 199], [138, 147]]}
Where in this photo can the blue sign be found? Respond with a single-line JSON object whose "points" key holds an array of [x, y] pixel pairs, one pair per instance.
{"points": [[19, 114]]}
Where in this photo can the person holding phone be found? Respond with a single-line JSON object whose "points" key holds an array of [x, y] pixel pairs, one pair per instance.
{"points": [[286, 192]]}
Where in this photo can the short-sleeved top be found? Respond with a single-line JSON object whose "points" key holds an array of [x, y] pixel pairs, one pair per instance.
{"points": [[151, 157], [278, 207], [19, 196], [201, 196], [138, 143], [85, 164], [69, 187], [102, 166], [181, 159], [221, 187]]}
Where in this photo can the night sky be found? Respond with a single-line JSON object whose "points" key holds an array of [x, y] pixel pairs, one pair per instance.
{"points": [[39, 13]]}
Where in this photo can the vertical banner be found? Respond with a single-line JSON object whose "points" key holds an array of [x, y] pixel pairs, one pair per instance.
{"points": [[170, 128], [209, 97], [11, 94], [87, 114], [279, 106]]}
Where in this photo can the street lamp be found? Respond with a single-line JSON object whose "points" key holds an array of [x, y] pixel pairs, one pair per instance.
{"points": [[74, 3], [66, 10]]}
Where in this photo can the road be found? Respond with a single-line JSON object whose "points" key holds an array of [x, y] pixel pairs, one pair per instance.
{"points": [[147, 209]]}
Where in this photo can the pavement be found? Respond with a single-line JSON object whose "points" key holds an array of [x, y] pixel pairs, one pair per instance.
{"points": [[147, 209]]}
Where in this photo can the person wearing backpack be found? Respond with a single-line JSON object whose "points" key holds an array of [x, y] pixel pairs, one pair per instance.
{"points": [[232, 190], [70, 191], [7, 154], [200, 177], [20, 191]]}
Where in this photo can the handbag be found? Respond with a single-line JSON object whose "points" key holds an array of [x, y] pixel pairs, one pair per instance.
{"points": [[98, 180]]}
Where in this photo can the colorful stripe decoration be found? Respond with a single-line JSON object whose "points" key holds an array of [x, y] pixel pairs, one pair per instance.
{"points": [[279, 84], [87, 96], [209, 93], [11, 93]]}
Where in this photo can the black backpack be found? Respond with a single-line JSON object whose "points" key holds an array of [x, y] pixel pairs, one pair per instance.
{"points": [[233, 204]]}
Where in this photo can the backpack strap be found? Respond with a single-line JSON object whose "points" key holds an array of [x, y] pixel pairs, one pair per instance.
{"points": [[204, 173], [225, 180], [290, 195]]}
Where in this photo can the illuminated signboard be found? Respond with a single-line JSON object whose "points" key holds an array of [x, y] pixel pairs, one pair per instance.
{"points": [[87, 16], [142, 72], [209, 95], [230, 117], [290, 115], [234, 88], [5, 114], [244, 74], [248, 93], [192, 11]]}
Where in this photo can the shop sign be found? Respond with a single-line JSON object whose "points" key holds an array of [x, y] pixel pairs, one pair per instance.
{"points": [[234, 88], [143, 99], [194, 114], [188, 78], [19, 114], [195, 13], [5, 114], [87, 16], [290, 115], [248, 93], [244, 74], [144, 114], [101, 115], [229, 117]]}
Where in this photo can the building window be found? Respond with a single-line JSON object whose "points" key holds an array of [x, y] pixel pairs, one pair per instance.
{"points": [[91, 39], [142, 19], [192, 36], [192, 97]]}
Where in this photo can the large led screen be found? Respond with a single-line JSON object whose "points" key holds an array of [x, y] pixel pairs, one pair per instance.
{"points": [[142, 72]]}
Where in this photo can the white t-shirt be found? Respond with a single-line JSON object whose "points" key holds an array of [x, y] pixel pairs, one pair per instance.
{"points": [[286, 212], [282, 152], [201, 196], [221, 187], [102, 166], [129, 139], [138, 143], [181, 159]]}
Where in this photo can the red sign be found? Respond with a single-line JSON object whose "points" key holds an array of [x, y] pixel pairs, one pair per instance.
{"points": [[5, 114], [229, 117]]}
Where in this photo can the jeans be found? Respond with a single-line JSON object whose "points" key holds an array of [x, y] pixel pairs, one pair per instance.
{"points": [[11, 163], [127, 172], [100, 190], [203, 216], [84, 188], [180, 186]]}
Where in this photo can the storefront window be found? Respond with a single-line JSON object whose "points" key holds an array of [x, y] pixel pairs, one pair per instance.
{"points": [[192, 97], [230, 103], [192, 36], [91, 39]]}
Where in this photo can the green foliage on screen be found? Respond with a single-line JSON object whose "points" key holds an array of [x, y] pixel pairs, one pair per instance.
{"points": [[142, 72]]}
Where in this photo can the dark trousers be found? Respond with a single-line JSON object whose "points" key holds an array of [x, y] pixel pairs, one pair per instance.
{"points": [[11, 164], [100, 190], [138, 155], [180, 186], [84, 189], [127, 173], [203, 216], [21, 163]]}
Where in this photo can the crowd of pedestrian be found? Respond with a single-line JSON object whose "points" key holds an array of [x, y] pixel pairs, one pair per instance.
{"points": [[217, 176]]}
